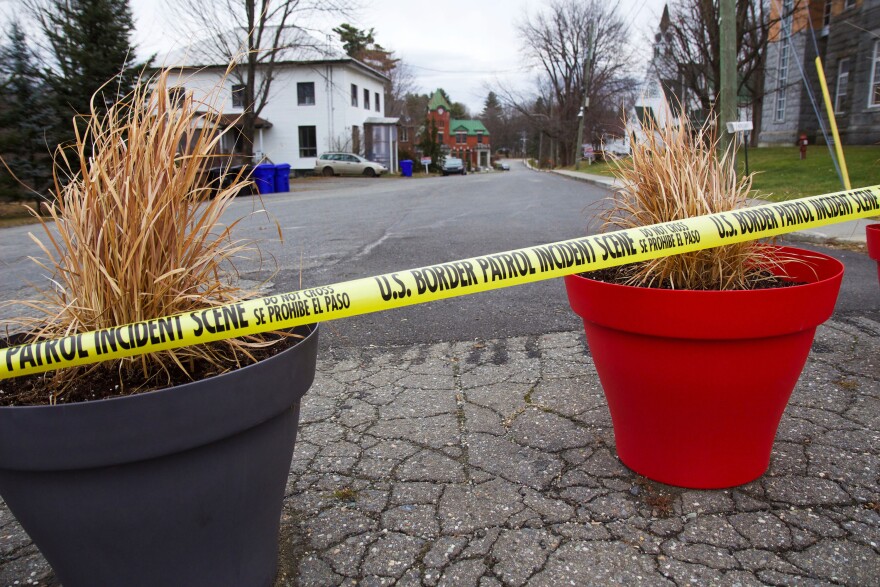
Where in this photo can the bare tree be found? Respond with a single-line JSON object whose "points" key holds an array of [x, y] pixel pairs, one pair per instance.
{"points": [[691, 50], [256, 35], [403, 83], [556, 41]]}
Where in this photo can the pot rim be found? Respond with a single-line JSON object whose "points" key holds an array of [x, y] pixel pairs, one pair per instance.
{"points": [[160, 422], [872, 234], [714, 314], [152, 393]]}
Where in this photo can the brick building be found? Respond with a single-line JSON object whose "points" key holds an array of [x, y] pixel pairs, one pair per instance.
{"points": [[465, 139]]}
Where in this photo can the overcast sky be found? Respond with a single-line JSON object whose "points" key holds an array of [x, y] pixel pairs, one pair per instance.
{"points": [[462, 46]]}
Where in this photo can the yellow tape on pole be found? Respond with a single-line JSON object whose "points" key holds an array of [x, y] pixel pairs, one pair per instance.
{"points": [[437, 282], [829, 108]]}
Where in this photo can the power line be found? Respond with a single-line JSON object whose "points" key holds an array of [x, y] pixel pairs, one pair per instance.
{"points": [[480, 71], [632, 10]]}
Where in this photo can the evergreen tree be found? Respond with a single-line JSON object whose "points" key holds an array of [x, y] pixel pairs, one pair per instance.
{"points": [[361, 45], [493, 117], [90, 42], [491, 107], [354, 40], [430, 143], [24, 115]]}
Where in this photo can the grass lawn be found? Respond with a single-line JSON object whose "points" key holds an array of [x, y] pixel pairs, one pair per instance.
{"points": [[15, 214], [600, 168], [781, 175]]}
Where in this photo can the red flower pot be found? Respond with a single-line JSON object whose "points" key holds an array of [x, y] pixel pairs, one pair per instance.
{"points": [[697, 381], [873, 233]]}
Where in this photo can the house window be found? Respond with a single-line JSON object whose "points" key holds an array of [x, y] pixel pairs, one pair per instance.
{"points": [[305, 93], [826, 13], [238, 96], [782, 80], [780, 105], [176, 95], [874, 87], [479, 138], [404, 134], [354, 95], [308, 141], [849, 4], [366, 99], [440, 138], [460, 138], [376, 96], [787, 13], [842, 83]]}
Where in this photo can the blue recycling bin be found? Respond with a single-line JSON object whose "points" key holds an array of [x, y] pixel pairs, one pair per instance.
{"points": [[264, 177], [282, 178], [406, 168]]}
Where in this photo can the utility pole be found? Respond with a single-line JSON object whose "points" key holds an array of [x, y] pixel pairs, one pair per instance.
{"points": [[541, 148], [582, 115], [727, 95]]}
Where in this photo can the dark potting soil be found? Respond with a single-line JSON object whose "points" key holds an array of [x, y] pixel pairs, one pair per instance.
{"points": [[759, 280], [104, 381]]}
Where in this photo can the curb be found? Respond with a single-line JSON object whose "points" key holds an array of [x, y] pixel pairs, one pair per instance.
{"points": [[846, 233]]}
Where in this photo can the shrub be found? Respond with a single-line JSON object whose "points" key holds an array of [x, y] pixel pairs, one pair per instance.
{"points": [[137, 235], [674, 173]]}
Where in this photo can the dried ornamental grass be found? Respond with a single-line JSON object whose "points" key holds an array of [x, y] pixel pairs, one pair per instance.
{"points": [[138, 236], [675, 173]]}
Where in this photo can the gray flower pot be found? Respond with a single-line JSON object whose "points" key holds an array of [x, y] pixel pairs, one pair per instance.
{"points": [[182, 486]]}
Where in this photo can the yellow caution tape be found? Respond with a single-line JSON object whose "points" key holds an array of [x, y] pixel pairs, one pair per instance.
{"points": [[437, 282]]}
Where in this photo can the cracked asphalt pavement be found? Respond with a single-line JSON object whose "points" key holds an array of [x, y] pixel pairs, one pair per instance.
{"points": [[492, 462]]}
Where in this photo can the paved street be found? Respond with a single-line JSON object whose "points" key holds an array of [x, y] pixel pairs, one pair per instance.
{"points": [[347, 228], [467, 442]]}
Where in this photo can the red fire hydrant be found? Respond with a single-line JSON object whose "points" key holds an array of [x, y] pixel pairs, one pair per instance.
{"points": [[802, 143]]}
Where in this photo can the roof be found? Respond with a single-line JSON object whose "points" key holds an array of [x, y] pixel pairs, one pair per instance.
{"points": [[437, 100], [665, 20], [295, 46], [227, 120], [471, 127]]}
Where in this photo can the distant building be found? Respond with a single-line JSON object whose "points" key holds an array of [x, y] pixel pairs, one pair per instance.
{"points": [[321, 100], [662, 98], [465, 139], [846, 35]]}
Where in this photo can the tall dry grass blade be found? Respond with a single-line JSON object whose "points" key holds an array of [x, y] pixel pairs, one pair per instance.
{"points": [[675, 173], [136, 234]]}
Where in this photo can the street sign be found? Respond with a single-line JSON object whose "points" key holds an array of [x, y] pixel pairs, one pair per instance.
{"points": [[739, 126], [587, 152]]}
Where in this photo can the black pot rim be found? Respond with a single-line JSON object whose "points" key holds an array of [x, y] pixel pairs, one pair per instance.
{"points": [[155, 423]]}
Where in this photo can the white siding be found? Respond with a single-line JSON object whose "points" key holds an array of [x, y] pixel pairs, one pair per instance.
{"points": [[332, 115]]}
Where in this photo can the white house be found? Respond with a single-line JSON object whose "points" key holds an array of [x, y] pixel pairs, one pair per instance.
{"points": [[320, 100]]}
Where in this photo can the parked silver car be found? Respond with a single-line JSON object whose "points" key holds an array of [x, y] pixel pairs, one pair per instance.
{"points": [[347, 164]]}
